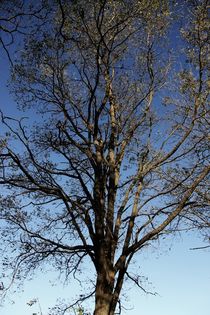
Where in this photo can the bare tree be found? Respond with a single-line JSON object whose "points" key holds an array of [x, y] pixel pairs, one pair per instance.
{"points": [[119, 154]]}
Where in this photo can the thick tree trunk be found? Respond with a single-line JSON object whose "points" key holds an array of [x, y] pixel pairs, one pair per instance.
{"points": [[102, 301], [104, 293], [102, 307]]}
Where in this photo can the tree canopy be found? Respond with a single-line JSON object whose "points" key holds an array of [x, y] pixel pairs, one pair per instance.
{"points": [[117, 155]]}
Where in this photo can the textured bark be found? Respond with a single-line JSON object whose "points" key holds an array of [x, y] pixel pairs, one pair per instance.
{"points": [[104, 283], [102, 303]]}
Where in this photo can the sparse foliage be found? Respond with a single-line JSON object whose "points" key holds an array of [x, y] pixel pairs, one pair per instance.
{"points": [[19, 18], [119, 156]]}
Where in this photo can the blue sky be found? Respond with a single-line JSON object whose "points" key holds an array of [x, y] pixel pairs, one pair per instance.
{"points": [[180, 276]]}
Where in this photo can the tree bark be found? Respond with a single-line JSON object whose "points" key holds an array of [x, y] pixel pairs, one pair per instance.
{"points": [[104, 290], [103, 299], [102, 306]]}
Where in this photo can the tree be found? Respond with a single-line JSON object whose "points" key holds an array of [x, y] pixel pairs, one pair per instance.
{"points": [[17, 18], [119, 155]]}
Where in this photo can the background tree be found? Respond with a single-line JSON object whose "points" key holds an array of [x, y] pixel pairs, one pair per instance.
{"points": [[119, 154]]}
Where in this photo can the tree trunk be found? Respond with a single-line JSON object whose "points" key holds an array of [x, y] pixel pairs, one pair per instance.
{"points": [[104, 293], [102, 307]]}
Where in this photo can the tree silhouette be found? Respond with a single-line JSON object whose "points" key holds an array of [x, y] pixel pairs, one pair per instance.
{"points": [[119, 155]]}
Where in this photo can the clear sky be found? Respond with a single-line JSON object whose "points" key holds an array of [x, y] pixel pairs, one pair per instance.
{"points": [[180, 276]]}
